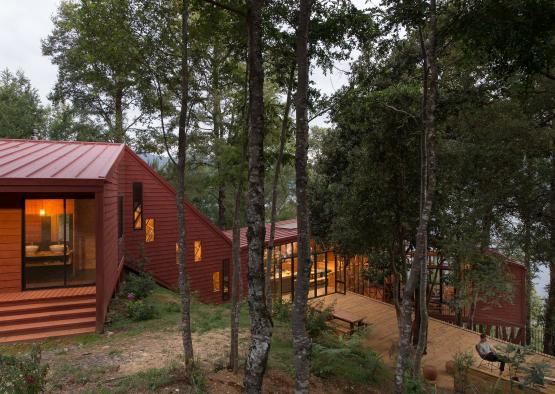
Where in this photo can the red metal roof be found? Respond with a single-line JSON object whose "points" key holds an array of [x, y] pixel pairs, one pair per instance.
{"points": [[34, 159], [286, 230]]}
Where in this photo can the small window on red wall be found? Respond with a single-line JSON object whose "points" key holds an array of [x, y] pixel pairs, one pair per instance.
{"points": [[198, 251], [216, 282], [149, 230], [137, 206]]}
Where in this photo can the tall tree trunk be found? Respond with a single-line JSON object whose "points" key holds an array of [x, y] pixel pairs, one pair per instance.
{"points": [[418, 273], [236, 282], [261, 321], [549, 333], [180, 195], [217, 123], [529, 283], [119, 134], [301, 340], [282, 141]]}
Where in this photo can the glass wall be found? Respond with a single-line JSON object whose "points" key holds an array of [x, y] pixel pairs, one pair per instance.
{"points": [[60, 243], [322, 277]]}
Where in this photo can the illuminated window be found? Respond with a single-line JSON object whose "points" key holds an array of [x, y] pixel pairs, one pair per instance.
{"points": [[137, 206], [198, 251], [216, 282], [149, 230], [176, 253]]}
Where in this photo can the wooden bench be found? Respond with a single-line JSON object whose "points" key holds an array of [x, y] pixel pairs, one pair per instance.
{"points": [[354, 321]]}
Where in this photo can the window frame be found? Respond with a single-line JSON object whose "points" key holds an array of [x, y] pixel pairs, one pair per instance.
{"points": [[225, 277], [147, 221], [137, 202], [199, 243]]}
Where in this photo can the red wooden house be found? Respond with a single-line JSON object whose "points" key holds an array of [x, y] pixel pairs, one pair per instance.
{"points": [[71, 215]]}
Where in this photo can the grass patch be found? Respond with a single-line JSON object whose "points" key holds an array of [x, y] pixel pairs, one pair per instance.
{"points": [[154, 379], [66, 373], [281, 351], [167, 309]]}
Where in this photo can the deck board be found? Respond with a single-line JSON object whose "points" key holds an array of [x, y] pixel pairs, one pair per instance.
{"points": [[444, 339], [47, 294]]}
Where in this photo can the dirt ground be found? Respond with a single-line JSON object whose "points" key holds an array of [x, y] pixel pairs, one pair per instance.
{"points": [[105, 363]]}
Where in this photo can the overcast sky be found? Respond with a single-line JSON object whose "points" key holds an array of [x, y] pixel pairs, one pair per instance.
{"points": [[23, 23]]}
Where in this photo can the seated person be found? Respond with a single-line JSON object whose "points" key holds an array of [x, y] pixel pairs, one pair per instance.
{"points": [[487, 352]]}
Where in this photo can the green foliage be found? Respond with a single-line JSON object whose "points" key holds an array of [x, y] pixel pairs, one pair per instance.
{"points": [[21, 113], [535, 374], [416, 385], [140, 310], [281, 309], [151, 380], [137, 286], [97, 54], [23, 374], [347, 358], [463, 361], [316, 319]]}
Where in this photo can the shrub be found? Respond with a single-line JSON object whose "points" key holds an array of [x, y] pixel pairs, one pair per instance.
{"points": [[24, 374], [463, 361], [281, 309], [316, 319], [347, 358], [140, 310], [139, 286]]}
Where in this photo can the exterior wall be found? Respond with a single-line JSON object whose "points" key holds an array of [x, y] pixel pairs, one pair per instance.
{"points": [[10, 242], [110, 264], [159, 204], [511, 311]]}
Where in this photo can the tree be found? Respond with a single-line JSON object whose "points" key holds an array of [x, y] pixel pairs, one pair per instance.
{"points": [[261, 321], [301, 340], [21, 113], [96, 52], [67, 123]]}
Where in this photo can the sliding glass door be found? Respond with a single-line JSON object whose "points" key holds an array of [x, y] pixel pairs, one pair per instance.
{"points": [[59, 243]]}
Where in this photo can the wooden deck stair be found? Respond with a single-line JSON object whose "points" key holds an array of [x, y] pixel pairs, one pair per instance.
{"points": [[43, 314]]}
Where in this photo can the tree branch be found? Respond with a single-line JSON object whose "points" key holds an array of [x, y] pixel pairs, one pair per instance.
{"points": [[226, 7]]}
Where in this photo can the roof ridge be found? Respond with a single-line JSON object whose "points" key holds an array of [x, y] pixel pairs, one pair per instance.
{"points": [[23, 140]]}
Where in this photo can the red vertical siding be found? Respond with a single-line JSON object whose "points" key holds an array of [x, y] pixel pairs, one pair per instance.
{"points": [[159, 204], [108, 265], [511, 311], [10, 243]]}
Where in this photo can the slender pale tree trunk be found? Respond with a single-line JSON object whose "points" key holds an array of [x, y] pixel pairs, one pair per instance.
{"points": [[301, 340], [549, 333], [282, 141], [180, 195], [119, 134], [418, 274], [529, 275], [217, 122], [236, 284], [261, 321]]}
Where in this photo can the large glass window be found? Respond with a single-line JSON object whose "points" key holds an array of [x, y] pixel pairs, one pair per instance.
{"points": [[60, 243]]}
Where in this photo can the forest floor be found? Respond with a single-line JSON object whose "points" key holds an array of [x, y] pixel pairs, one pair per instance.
{"points": [[145, 356]]}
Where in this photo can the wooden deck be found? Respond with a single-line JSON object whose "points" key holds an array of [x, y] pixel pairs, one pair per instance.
{"points": [[48, 294], [38, 314], [444, 339]]}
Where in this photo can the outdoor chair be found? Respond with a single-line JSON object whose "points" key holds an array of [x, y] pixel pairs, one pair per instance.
{"points": [[486, 363]]}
